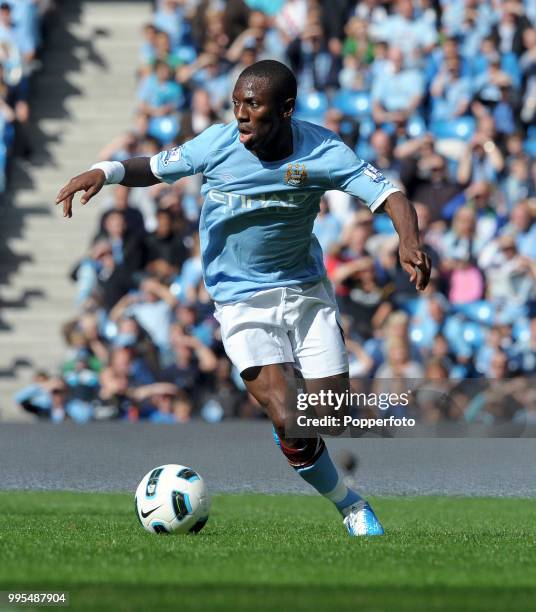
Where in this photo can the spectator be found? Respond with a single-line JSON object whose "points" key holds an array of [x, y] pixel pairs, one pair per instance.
{"points": [[169, 19], [396, 98], [316, 67], [415, 36], [191, 359], [450, 91], [367, 302], [200, 115], [165, 246], [383, 155], [99, 277], [344, 260], [426, 180], [326, 227], [481, 161], [159, 95], [121, 203], [151, 307], [513, 278], [127, 248]]}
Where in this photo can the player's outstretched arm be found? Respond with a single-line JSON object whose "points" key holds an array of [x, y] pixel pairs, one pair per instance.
{"points": [[135, 172], [412, 257]]}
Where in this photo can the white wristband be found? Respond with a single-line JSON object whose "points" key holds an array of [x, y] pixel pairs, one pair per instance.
{"points": [[113, 171]]}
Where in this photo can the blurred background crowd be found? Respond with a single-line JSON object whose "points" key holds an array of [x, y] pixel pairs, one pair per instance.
{"points": [[23, 25], [439, 95]]}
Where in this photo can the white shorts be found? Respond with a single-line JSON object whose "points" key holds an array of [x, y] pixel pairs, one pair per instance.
{"points": [[299, 325]]}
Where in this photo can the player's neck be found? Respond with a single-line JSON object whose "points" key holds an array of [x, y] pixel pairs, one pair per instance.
{"points": [[281, 147]]}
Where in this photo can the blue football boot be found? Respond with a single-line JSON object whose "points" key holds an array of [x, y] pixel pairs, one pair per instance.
{"points": [[361, 521]]}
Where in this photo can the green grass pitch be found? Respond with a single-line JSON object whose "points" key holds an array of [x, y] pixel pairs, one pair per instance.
{"points": [[273, 552]]}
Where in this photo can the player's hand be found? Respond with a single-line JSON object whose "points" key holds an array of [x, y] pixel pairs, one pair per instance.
{"points": [[417, 264], [89, 182]]}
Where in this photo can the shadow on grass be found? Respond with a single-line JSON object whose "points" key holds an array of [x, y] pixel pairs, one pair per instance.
{"points": [[210, 597]]}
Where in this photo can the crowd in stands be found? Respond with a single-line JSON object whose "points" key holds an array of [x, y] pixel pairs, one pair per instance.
{"points": [[440, 96], [21, 29]]}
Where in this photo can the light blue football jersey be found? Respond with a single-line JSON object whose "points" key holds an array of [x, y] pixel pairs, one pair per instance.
{"points": [[256, 223]]}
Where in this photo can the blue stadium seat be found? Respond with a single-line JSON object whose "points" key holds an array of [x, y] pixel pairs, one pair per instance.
{"points": [[353, 103], [366, 127], [3, 159], [416, 335], [312, 106], [530, 146], [510, 65], [408, 306], [462, 128], [480, 312], [473, 334], [521, 330], [164, 129], [186, 53], [383, 225], [363, 150], [416, 127]]}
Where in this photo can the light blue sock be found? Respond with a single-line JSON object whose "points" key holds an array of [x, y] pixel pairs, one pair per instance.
{"points": [[324, 477]]}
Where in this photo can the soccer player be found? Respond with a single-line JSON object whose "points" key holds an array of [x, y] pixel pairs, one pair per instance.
{"points": [[264, 175]]}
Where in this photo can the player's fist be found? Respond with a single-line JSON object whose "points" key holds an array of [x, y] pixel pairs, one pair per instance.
{"points": [[417, 264], [89, 182]]}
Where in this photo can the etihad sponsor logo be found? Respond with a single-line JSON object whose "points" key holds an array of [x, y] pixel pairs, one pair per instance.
{"points": [[235, 201]]}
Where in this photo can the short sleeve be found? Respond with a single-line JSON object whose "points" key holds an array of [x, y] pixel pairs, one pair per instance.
{"points": [[190, 158], [358, 178]]}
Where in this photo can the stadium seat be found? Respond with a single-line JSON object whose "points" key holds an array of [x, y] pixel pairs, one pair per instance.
{"points": [[353, 103], [416, 335], [409, 306], [312, 106], [473, 334], [363, 150], [462, 128], [480, 312], [164, 129], [416, 127], [383, 225], [521, 330], [366, 127], [530, 146], [3, 159], [186, 53]]}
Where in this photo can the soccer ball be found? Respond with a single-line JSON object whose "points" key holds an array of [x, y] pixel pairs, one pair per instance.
{"points": [[172, 499]]}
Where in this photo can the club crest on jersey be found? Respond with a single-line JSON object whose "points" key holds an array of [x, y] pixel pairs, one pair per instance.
{"points": [[295, 175], [172, 155], [373, 173]]}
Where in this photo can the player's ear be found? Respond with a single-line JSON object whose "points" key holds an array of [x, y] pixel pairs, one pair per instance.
{"points": [[288, 107]]}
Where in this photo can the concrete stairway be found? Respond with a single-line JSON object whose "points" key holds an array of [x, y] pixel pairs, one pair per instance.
{"points": [[84, 97]]}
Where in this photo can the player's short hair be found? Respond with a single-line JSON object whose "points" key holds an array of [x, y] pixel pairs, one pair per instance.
{"points": [[280, 77]]}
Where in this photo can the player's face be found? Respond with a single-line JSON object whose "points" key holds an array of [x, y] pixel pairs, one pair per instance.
{"points": [[258, 113]]}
